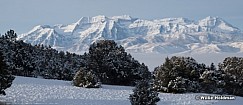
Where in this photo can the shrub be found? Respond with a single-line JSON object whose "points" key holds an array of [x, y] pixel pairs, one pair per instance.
{"points": [[87, 79], [177, 75], [144, 94], [233, 77]]}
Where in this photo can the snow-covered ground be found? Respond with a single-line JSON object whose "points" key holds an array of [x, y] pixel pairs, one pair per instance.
{"points": [[31, 91]]}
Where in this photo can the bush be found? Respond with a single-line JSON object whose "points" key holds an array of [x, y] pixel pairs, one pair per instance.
{"points": [[144, 94], [177, 75], [212, 82], [233, 75], [182, 85], [87, 79]]}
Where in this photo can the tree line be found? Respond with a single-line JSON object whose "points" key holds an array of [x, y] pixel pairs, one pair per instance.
{"points": [[106, 62], [184, 74]]}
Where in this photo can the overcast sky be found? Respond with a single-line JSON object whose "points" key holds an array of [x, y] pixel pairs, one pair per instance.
{"points": [[23, 15]]}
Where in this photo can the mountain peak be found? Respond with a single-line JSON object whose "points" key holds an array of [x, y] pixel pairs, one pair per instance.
{"points": [[179, 20], [82, 19], [211, 18], [210, 21], [124, 17], [218, 24], [168, 35], [99, 18]]}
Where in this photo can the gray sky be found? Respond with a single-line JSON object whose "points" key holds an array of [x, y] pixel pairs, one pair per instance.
{"points": [[23, 15]]}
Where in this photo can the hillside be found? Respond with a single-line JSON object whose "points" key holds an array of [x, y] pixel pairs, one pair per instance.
{"points": [[168, 35]]}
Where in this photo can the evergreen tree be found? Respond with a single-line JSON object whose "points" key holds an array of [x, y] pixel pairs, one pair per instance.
{"points": [[6, 78], [113, 65], [177, 75], [11, 35], [144, 94], [211, 81], [86, 78], [233, 75]]}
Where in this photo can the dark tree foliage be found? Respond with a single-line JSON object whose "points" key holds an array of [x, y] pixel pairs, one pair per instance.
{"points": [[26, 60], [144, 94], [211, 81], [113, 65], [233, 77], [178, 75], [86, 78], [184, 74], [6, 78]]}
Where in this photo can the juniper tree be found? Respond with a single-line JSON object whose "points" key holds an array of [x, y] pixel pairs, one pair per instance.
{"points": [[86, 78], [113, 65], [178, 75], [212, 81], [144, 94], [233, 77]]}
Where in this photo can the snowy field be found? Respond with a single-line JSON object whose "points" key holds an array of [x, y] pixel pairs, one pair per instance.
{"points": [[55, 92]]}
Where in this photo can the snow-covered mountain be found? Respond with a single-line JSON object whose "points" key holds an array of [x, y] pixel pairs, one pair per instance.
{"points": [[168, 35]]}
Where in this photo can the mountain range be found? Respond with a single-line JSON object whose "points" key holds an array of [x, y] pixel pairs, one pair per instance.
{"points": [[167, 35]]}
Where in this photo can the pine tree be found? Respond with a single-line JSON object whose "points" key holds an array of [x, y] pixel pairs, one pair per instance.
{"points": [[113, 65], [233, 75], [86, 78], [144, 94], [177, 75], [211, 80], [212, 67], [11, 35], [6, 78]]}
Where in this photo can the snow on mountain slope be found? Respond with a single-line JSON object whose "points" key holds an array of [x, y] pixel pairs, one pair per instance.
{"points": [[25, 90], [168, 35]]}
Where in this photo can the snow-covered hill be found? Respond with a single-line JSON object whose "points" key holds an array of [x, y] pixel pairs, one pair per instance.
{"points": [[32, 91], [168, 35]]}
